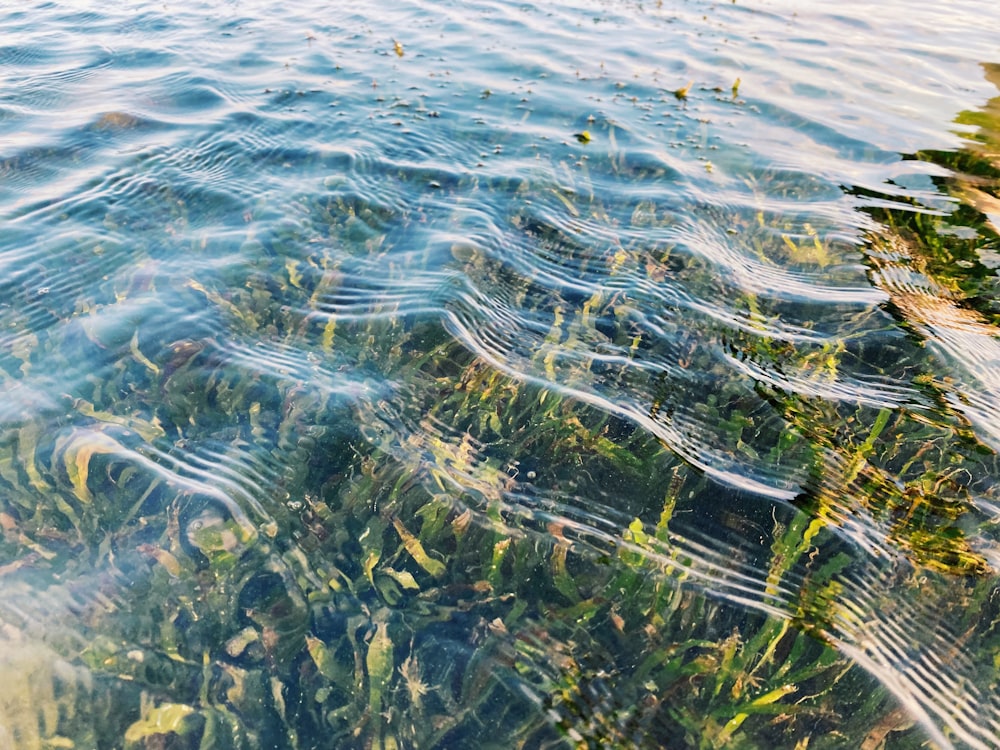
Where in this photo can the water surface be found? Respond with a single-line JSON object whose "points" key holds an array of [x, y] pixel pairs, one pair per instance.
{"points": [[496, 374]]}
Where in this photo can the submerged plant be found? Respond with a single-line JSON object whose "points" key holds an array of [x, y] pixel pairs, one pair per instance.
{"points": [[332, 518]]}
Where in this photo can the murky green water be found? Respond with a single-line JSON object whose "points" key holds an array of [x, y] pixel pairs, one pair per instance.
{"points": [[468, 375]]}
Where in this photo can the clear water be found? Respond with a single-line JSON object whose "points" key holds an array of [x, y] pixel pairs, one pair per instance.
{"points": [[493, 374]]}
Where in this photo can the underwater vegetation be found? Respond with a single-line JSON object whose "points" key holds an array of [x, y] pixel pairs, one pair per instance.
{"points": [[398, 559]]}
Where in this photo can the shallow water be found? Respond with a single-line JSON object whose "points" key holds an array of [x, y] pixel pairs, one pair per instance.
{"points": [[496, 374]]}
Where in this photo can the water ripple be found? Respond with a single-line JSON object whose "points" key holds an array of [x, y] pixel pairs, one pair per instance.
{"points": [[625, 287]]}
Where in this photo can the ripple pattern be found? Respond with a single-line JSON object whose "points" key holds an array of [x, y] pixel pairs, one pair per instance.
{"points": [[605, 301]]}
